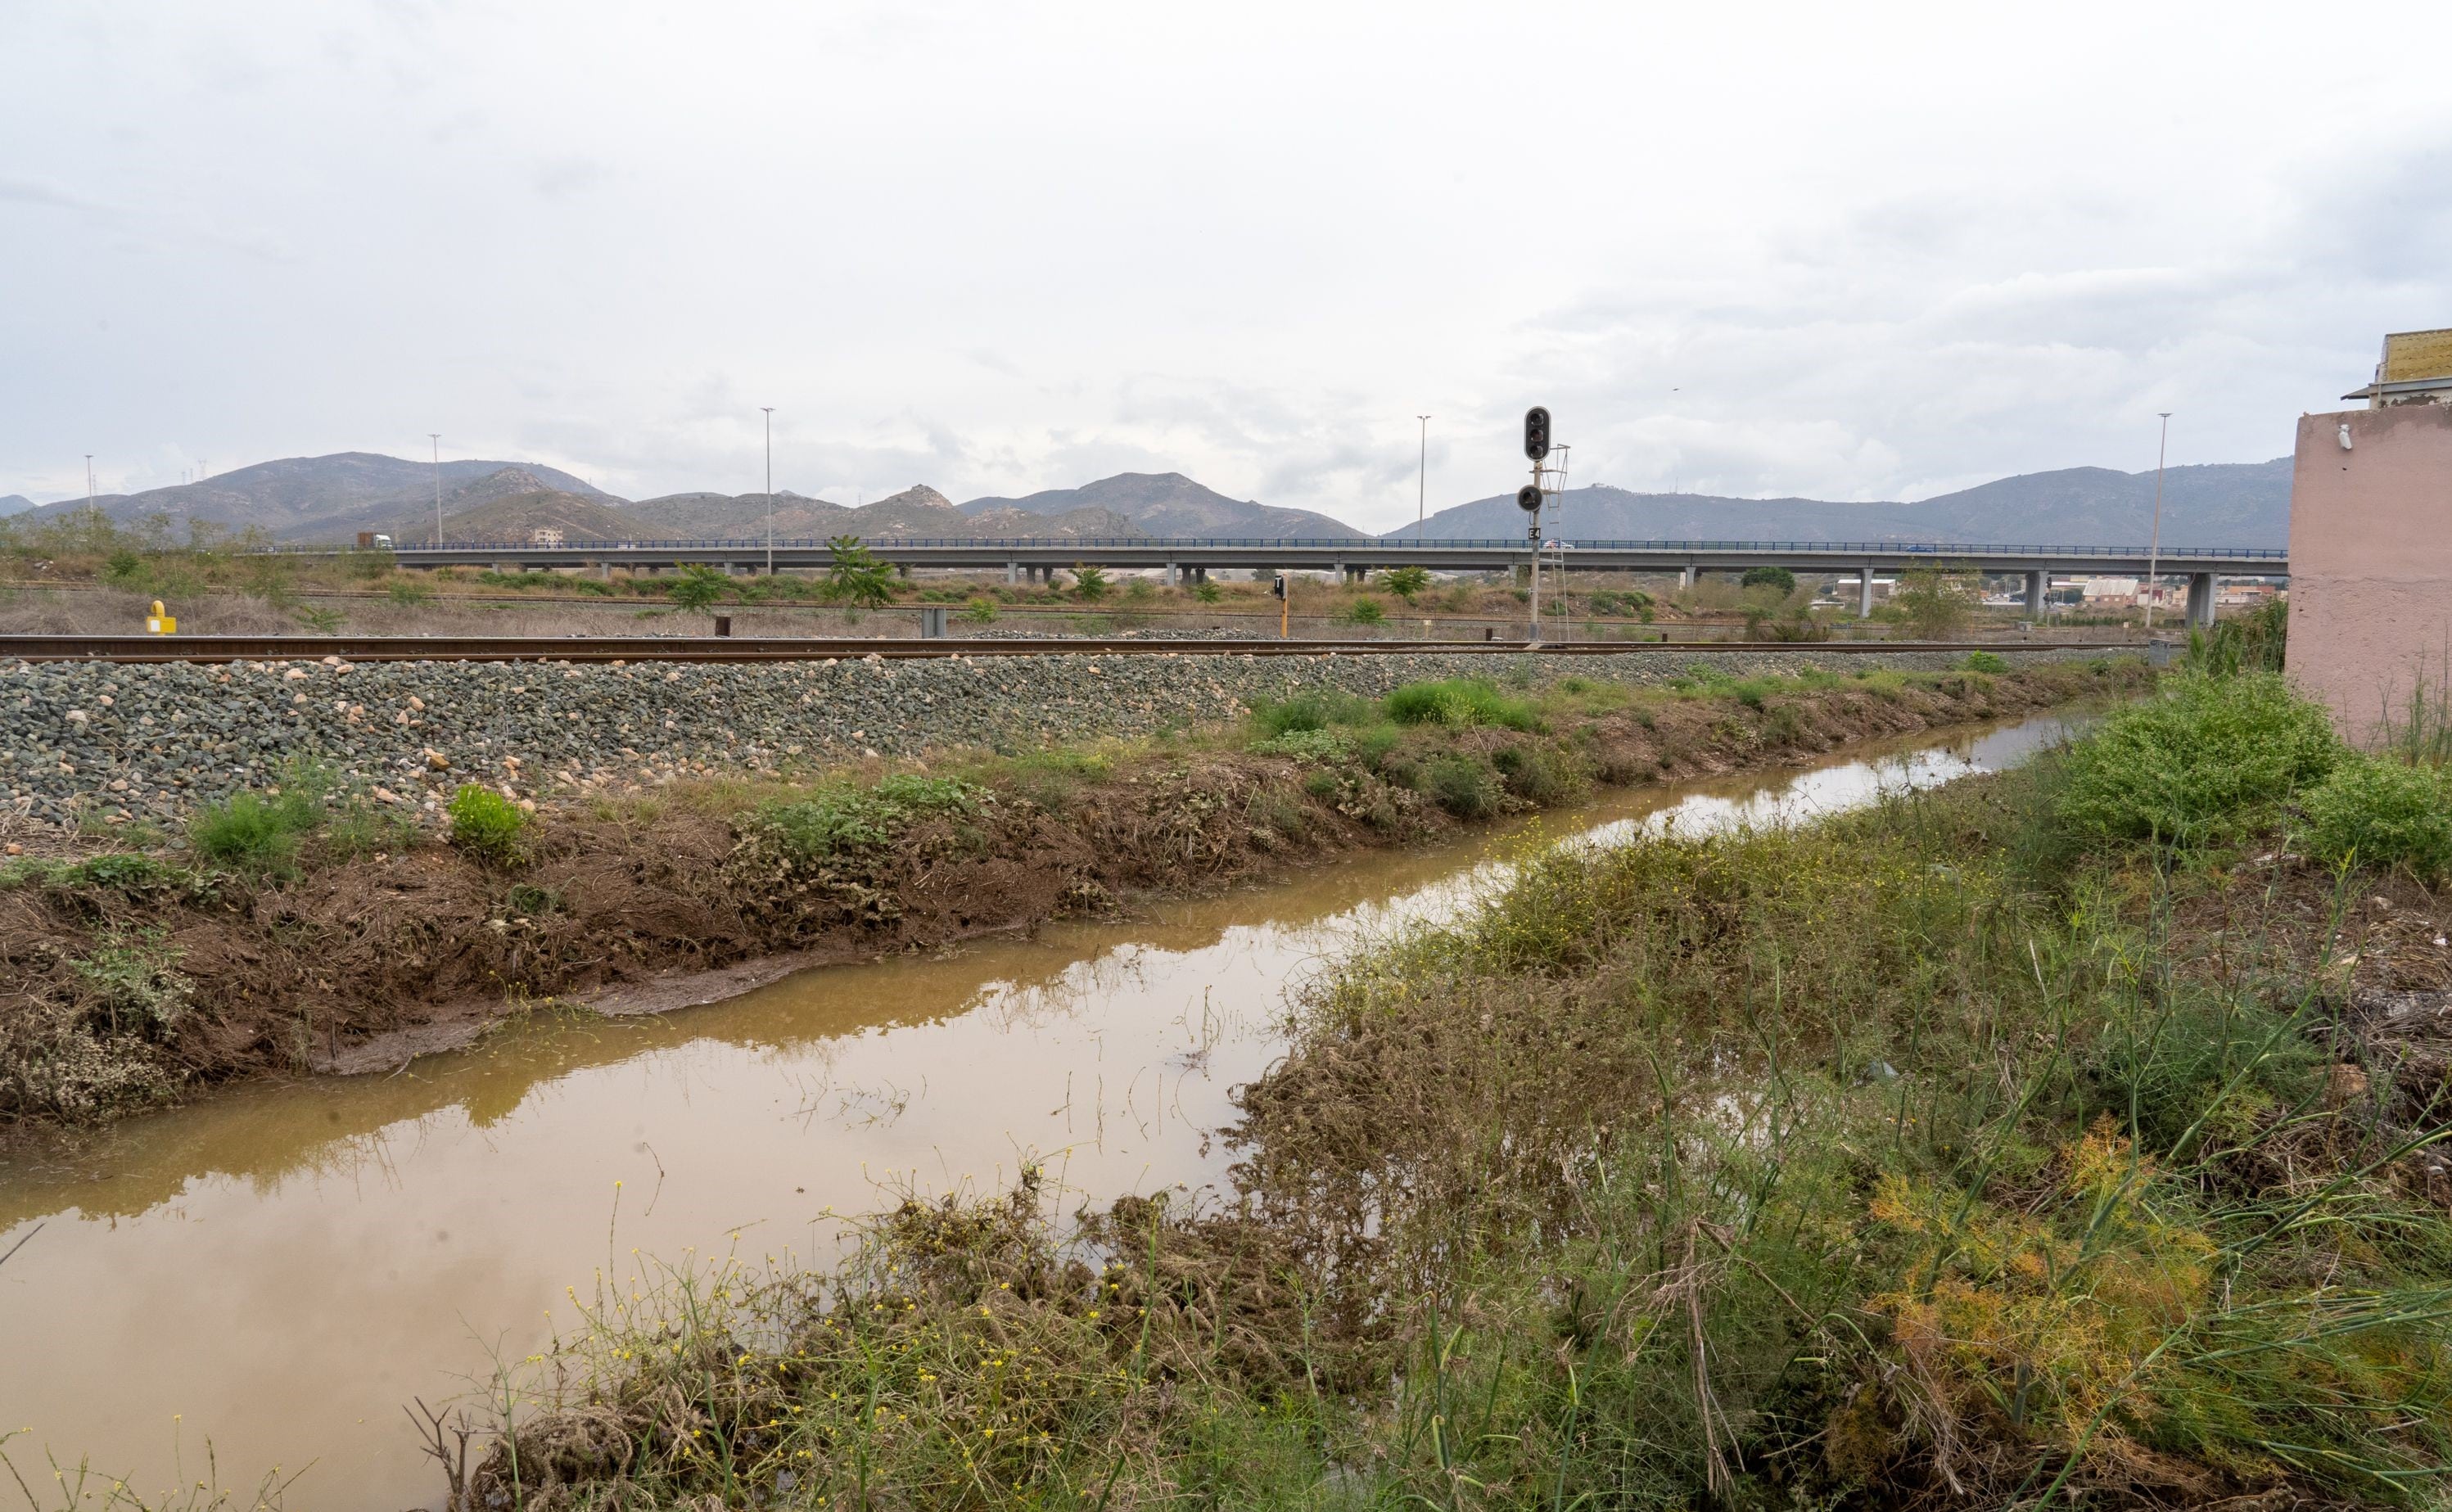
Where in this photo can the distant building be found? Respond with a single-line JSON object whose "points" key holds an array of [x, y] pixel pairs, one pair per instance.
{"points": [[546, 536], [2416, 368]]}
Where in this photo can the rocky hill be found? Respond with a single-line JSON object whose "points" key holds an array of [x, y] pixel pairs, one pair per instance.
{"points": [[2221, 504], [1172, 504], [313, 497], [544, 514], [735, 516]]}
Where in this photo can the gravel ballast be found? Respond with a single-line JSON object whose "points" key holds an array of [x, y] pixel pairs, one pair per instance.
{"points": [[115, 742]]}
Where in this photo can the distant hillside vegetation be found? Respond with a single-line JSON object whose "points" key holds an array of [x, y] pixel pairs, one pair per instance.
{"points": [[2233, 504]]}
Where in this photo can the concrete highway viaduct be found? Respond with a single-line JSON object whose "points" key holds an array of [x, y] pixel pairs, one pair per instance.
{"points": [[1191, 560]]}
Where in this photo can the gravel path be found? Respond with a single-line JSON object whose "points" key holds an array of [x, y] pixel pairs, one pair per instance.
{"points": [[131, 742]]}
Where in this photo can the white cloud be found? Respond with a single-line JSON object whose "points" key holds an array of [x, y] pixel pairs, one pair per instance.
{"points": [[1778, 250]]}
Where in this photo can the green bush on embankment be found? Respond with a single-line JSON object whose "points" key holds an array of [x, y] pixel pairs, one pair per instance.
{"points": [[1944, 1152]]}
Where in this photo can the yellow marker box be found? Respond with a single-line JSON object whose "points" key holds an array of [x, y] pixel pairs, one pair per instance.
{"points": [[160, 622]]}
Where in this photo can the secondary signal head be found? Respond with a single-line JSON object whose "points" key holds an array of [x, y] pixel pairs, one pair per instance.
{"points": [[1528, 499]]}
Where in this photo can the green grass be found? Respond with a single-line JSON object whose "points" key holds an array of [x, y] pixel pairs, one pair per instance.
{"points": [[253, 832], [1459, 702], [307, 815]]}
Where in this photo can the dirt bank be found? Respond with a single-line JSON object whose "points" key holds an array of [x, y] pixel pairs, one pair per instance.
{"points": [[132, 979]]}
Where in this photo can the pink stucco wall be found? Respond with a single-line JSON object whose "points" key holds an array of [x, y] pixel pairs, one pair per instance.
{"points": [[2371, 561]]}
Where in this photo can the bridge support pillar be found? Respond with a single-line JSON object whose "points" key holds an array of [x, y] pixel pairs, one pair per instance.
{"points": [[508, 569], [1174, 576], [1686, 575], [902, 570], [1865, 592], [2038, 584], [1199, 574], [2201, 599], [1012, 573]]}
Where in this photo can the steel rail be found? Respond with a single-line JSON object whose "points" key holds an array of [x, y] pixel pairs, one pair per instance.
{"points": [[215, 649]]}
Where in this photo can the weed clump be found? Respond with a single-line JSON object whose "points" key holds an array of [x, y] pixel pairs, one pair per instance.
{"points": [[1316, 746], [253, 832], [487, 825], [844, 818], [1309, 711], [133, 976], [1459, 702]]}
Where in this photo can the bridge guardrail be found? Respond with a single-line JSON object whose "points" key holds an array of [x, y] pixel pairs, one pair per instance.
{"points": [[1939, 549]]}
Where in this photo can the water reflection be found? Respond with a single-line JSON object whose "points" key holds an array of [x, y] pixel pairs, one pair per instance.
{"points": [[284, 1266]]}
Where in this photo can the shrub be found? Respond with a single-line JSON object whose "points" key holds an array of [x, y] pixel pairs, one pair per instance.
{"points": [[408, 592], [698, 586], [1089, 584], [1986, 661], [1459, 702], [1779, 579], [1364, 611], [854, 576], [1933, 604], [485, 824], [1404, 582], [1460, 785], [2383, 812], [982, 611], [1207, 592], [2206, 759], [1541, 776]]}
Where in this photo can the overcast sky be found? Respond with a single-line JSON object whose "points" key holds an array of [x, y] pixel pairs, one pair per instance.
{"points": [[1853, 252]]}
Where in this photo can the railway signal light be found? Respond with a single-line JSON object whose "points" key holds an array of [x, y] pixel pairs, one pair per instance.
{"points": [[1528, 499], [1536, 432], [1277, 586]]}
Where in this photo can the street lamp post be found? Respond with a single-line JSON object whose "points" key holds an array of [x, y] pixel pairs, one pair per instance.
{"points": [[436, 436], [1422, 487], [2154, 548], [769, 411], [88, 480]]}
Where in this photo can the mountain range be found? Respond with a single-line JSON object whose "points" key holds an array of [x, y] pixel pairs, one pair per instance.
{"points": [[331, 498], [2216, 504]]}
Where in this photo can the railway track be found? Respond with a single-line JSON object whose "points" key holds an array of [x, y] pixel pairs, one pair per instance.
{"points": [[134, 649]]}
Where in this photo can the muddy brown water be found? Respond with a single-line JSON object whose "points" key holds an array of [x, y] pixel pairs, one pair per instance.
{"points": [[279, 1268]]}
